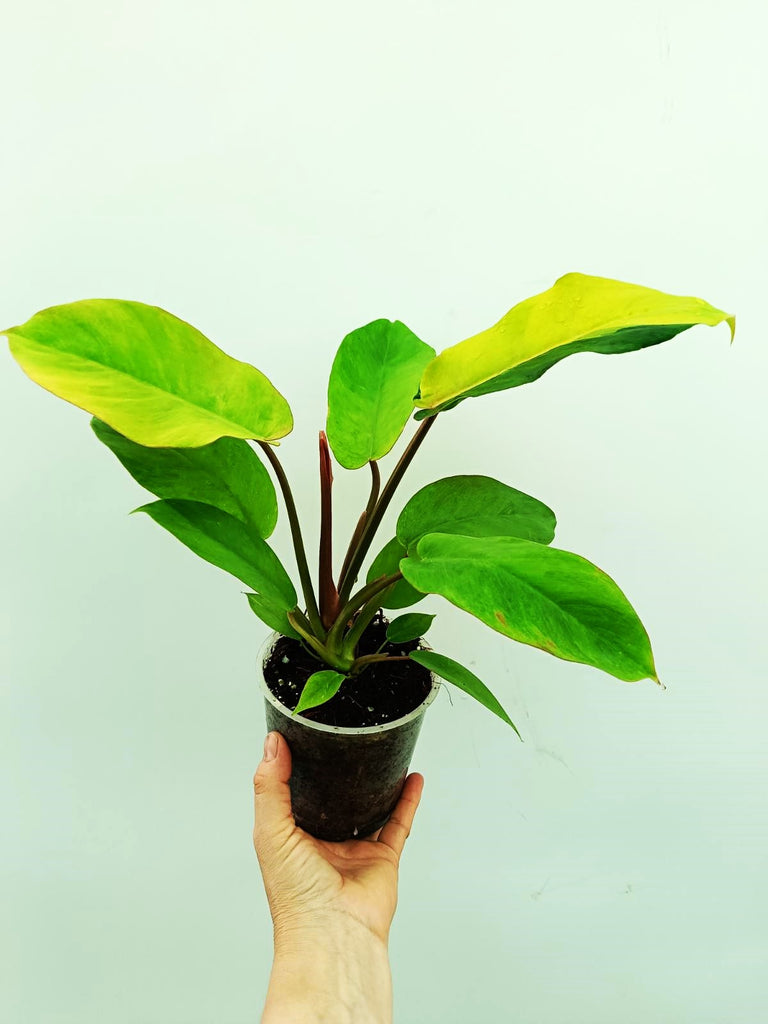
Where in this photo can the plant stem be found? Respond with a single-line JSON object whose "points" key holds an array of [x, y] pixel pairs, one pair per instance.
{"points": [[300, 625], [373, 521], [319, 648], [301, 618], [374, 589], [371, 659], [298, 543], [366, 514], [357, 534], [364, 617], [327, 592], [375, 486]]}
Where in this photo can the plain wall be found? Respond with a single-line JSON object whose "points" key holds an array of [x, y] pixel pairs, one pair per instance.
{"points": [[278, 175]]}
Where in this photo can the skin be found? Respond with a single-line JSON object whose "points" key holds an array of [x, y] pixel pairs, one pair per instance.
{"points": [[332, 905]]}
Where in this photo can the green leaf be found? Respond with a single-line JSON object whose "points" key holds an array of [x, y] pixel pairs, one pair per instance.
{"points": [[474, 506], [370, 393], [225, 542], [319, 688], [386, 563], [579, 313], [227, 474], [407, 627], [150, 376], [550, 599], [274, 615], [467, 681]]}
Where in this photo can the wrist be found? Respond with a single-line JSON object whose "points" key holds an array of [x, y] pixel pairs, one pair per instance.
{"points": [[332, 969]]}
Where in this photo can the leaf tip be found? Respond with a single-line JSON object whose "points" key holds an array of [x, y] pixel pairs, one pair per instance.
{"points": [[731, 321], [143, 508]]}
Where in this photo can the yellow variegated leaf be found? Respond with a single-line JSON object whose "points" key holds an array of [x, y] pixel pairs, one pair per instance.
{"points": [[579, 313], [150, 376]]}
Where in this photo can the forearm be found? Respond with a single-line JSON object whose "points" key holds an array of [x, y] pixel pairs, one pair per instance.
{"points": [[337, 974]]}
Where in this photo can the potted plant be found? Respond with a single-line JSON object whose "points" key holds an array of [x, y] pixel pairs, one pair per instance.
{"points": [[346, 685]]}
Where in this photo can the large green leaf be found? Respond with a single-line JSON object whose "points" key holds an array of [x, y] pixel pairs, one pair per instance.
{"points": [[224, 541], [467, 681], [579, 313], [370, 393], [386, 563], [226, 473], [474, 506], [551, 599], [149, 375]]}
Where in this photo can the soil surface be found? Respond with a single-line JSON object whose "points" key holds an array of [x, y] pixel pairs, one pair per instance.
{"points": [[383, 692]]}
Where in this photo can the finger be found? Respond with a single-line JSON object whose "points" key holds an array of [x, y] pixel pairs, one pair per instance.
{"points": [[398, 828], [271, 793]]}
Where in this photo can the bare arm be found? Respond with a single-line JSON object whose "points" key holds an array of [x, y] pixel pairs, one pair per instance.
{"points": [[337, 973], [332, 906]]}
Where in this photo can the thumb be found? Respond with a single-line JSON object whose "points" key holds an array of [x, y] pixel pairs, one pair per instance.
{"points": [[272, 794]]}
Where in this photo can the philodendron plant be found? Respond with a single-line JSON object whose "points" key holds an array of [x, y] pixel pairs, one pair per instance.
{"points": [[179, 414]]}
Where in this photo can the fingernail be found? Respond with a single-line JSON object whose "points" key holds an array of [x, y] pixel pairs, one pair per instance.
{"points": [[270, 746]]}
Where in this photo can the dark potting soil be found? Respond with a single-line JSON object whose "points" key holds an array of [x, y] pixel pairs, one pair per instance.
{"points": [[383, 692]]}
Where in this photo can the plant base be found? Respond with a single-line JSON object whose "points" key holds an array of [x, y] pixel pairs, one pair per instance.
{"points": [[345, 780]]}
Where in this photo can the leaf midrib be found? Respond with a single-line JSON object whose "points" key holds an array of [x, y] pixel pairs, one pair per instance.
{"points": [[592, 336], [133, 377], [382, 377]]}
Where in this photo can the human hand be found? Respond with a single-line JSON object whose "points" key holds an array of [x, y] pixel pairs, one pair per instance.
{"points": [[310, 880]]}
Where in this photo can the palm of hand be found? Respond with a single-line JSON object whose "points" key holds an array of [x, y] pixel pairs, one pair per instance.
{"points": [[357, 877], [311, 882]]}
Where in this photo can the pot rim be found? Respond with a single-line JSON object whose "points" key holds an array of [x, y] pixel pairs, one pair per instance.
{"points": [[342, 730]]}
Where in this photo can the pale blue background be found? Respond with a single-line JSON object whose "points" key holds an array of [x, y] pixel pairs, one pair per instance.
{"points": [[279, 174]]}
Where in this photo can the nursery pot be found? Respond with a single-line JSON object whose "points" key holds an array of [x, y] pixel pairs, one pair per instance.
{"points": [[345, 782]]}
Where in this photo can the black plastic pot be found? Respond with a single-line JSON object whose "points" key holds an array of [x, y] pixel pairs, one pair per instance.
{"points": [[345, 782]]}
